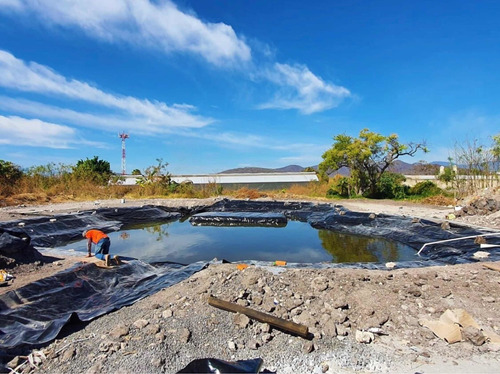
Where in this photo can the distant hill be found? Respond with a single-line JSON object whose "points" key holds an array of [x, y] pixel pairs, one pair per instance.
{"points": [[398, 166]]}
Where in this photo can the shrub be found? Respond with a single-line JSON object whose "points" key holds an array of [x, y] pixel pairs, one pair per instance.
{"points": [[340, 187], [426, 189], [391, 186], [94, 170]]}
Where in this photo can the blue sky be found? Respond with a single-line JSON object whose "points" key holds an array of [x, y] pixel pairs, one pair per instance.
{"points": [[210, 85]]}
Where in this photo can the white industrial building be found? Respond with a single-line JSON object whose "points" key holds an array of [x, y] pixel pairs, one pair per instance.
{"points": [[253, 180]]}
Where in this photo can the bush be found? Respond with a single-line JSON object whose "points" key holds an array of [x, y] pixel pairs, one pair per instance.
{"points": [[339, 188], [9, 172], [426, 189], [94, 170], [390, 186]]}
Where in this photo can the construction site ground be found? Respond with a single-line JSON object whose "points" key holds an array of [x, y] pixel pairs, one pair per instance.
{"points": [[359, 320]]}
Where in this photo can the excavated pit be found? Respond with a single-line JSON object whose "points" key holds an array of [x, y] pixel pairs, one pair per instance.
{"points": [[86, 291]]}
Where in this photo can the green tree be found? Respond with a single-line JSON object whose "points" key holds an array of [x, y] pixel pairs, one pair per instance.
{"points": [[157, 176], [136, 172], [495, 151], [9, 172], [367, 157], [93, 169]]}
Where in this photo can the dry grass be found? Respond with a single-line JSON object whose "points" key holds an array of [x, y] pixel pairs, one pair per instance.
{"points": [[247, 193], [439, 200], [312, 189]]}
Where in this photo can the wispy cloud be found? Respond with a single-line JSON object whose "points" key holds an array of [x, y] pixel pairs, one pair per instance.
{"points": [[154, 25], [36, 133], [152, 116], [163, 26], [302, 90]]}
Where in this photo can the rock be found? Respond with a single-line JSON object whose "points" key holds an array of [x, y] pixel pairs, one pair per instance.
{"points": [[372, 216], [15, 362], [390, 265], [167, 313], [266, 338], [104, 346], [158, 362], [481, 254], [253, 344], [141, 323], [231, 345], [241, 320], [479, 240], [263, 327], [324, 367], [489, 299], [152, 329], [320, 283], [119, 331], [308, 347], [329, 328], [474, 335], [364, 337], [342, 330], [376, 320], [446, 225], [305, 318], [242, 302], [415, 292], [184, 335], [249, 279], [160, 337], [257, 300], [95, 369]]}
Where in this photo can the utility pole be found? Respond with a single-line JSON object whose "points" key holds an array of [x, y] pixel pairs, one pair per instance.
{"points": [[123, 136]]}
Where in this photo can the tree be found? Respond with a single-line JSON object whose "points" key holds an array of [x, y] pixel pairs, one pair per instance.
{"points": [[93, 169], [367, 157], [136, 172], [9, 172], [157, 176]]}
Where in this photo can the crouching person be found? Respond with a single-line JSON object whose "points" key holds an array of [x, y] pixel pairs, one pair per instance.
{"points": [[102, 244]]}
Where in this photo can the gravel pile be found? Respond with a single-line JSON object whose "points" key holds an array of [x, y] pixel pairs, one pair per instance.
{"points": [[360, 320]]}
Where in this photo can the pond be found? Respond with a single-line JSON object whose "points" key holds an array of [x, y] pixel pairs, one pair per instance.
{"points": [[296, 242]]}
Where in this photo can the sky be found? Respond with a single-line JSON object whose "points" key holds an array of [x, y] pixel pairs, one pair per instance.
{"points": [[210, 85]]}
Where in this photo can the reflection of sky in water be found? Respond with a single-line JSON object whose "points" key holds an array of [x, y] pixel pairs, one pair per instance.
{"points": [[297, 242]]}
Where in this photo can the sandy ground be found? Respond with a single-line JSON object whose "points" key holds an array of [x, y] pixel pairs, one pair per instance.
{"points": [[164, 332]]}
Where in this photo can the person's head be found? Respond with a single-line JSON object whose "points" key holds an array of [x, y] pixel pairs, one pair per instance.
{"points": [[84, 233]]}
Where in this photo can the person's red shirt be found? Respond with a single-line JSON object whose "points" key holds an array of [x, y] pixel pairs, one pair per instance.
{"points": [[95, 235]]}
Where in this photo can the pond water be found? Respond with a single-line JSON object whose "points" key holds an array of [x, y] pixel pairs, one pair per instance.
{"points": [[296, 242]]}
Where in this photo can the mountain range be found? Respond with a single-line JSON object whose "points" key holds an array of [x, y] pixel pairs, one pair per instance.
{"points": [[397, 167]]}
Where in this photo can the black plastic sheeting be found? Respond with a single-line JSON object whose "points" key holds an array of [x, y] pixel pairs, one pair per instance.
{"points": [[213, 365], [239, 219], [59, 230], [35, 314]]}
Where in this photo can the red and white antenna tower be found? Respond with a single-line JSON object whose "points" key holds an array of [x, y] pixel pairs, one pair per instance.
{"points": [[123, 136]]}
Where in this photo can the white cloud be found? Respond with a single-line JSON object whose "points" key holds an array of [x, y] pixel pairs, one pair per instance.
{"points": [[302, 90], [155, 25], [35, 133], [32, 77]]}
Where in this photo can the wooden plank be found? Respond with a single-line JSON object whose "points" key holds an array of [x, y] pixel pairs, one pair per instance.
{"points": [[280, 323], [494, 266]]}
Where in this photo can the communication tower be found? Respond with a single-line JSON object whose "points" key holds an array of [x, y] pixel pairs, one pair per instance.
{"points": [[123, 136]]}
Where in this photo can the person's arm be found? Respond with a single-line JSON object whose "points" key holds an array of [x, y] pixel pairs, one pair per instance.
{"points": [[89, 247]]}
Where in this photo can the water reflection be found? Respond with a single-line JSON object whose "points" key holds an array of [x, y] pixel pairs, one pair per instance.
{"points": [[297, 242], [355, 248]]}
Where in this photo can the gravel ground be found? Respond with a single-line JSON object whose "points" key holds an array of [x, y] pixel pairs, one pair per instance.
{"points": [[166, 331]]}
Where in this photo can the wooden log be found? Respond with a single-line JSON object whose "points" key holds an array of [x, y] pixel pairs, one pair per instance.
{"points": [[492, 266], [280, 323]]}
